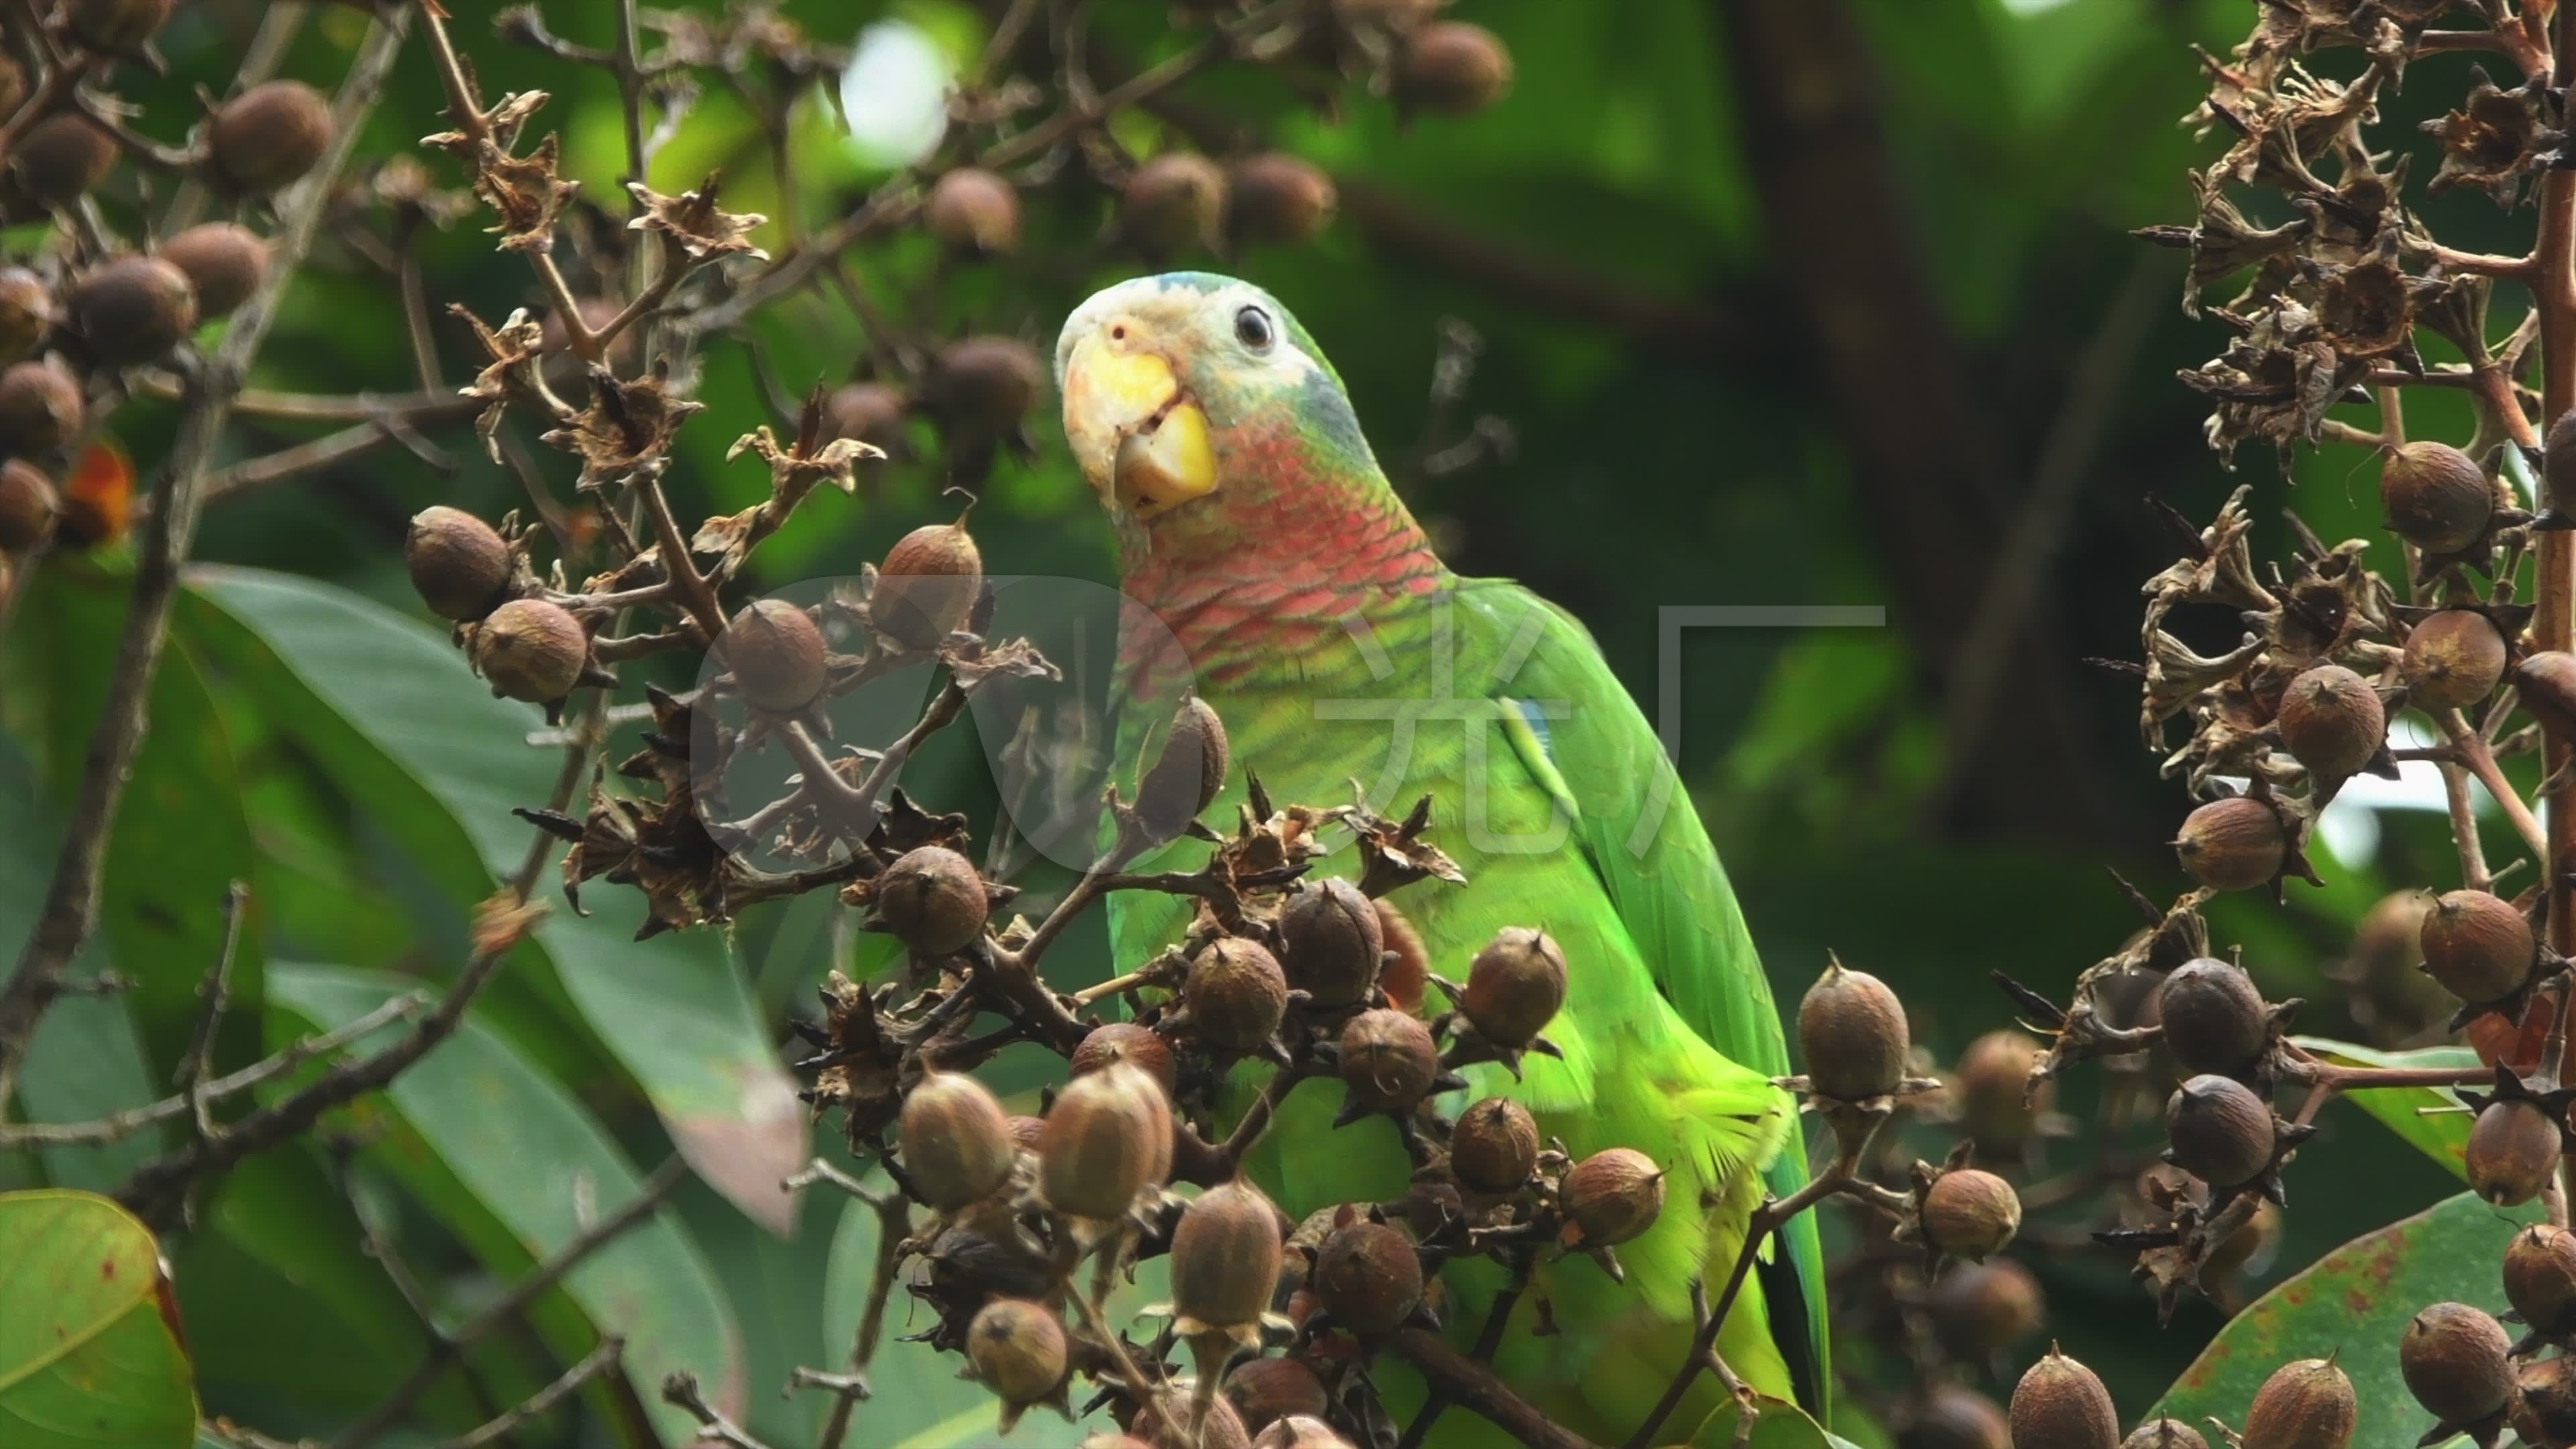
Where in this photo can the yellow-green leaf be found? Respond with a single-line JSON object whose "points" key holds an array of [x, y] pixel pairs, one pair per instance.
{"points": [[89, 1351]]}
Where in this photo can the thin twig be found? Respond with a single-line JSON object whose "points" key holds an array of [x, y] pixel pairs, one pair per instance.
{"points": [[598, 1361], [681, 1389]]}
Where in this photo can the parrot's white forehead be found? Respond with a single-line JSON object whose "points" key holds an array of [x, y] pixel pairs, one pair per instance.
{"points": [[1203, 303]]}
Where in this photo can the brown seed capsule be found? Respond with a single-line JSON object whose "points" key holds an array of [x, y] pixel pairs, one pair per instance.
{"points": [[2436, 497], [776, 655], [1494, 1147], [2214, 1019], [973, 212], [870, 412], [2453, 659], [1025, 1132], [1235, 993], [1333, 939], [1225, 1258], [2547, 681], [118, 27], [26, 310], [1108, 1137], [1267, 1390], [1985, 1308], [1852, 1035], [933, 901], [1166, 1424], [1300, 1431], [1369, 1276], [2061, 1404], [1454, 68], [2305, 1404], [2233, 844], [61, 157], [40, 405], [983, 385], [1612, 1196], [2455, 1361], [1996, 1103], [1126, 1041], [1406, 965], [1279, 198], [956, 1140], [1954, 1416], [2164, 1434], [458, 563], [2332, 721], [926, 586], [1184, 779], [28, 505], [2540, 1278], [2543, 1412], [133, 309], [1173, 203], [269, 135], [2221, 1132], [1018, 1350], [2513, 1147], [224, 262], [530, 649], [2478, 946], [1388, 1059], [1515, 986], [1970, 1214]]}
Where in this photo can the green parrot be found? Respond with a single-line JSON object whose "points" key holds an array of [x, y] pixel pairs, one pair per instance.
{"points": [[1269, 566]]}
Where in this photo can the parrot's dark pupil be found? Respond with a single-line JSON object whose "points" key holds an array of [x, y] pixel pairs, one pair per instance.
{"points": [[1253, 327]]}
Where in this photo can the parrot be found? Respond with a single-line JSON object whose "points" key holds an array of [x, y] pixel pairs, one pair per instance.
{"points": [[1267, 565]]}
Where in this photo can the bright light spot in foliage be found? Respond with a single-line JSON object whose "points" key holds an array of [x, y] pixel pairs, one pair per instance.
{"points": [[896, 93], [2031, 7]]}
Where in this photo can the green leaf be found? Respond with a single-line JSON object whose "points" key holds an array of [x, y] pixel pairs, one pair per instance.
{"points": [[89, 1354], [2434, 1119], [1776, 1425], [2356, 1302], [394, 714], [544, 1168]]}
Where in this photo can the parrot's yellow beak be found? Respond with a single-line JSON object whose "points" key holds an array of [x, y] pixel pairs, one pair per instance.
{"points": [[1140, 439]]}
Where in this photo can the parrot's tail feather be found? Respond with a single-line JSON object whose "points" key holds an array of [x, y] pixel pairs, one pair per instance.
{"points": [[1786, 1296]]}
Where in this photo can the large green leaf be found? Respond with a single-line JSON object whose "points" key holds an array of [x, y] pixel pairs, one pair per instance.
{"points": [[89, 1350], [2434, 1119], [392, 711], [544, 1168], [2356, 1302]]}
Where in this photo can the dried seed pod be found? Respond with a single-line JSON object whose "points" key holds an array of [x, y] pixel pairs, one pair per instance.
{"points": [[974, 212], [2453, 659], [1515, 986], [2478, 946], [1852, 1035], [1236, 994], [26, 310], [2164, 1434], [983, 385], [1388, 1060], [2436, 497], [1108, 1137], [1267, 1390], [1300, 1431], [1954, 1416], [459, 565], [2332, 721], [117, 27], [1494, 1147], [1454, 68], [1970, 1214], [1173, 203], [1985, 1308], [2512, 1150], [1369, 1276], [1279, 198], [28, 505], [133, 309], [2233, 844], [2547, 681], [870, 412], [532, 650], [956, 1140], [1025, 1132], [933, 901], [1226, 1255], [2305, 1404], [1184, 779], [926, 586], [2543, 1411], [1332, 938], [58, 159], [2214, 1019], [2540, 1278], [2455, 1361], [1996, 1104], [1018, 1350], [776, 655], [1613, 1196], [2221, 1132], [2061, 1404], [1126, 1041], [1167, 1424], [269, 135], [40, 406], [225, 263]]}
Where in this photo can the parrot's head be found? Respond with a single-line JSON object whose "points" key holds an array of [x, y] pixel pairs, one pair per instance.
{"points": [[1201, 412]]}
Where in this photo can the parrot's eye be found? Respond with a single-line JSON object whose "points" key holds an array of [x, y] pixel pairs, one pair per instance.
{"points": [[1252, 328]]}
